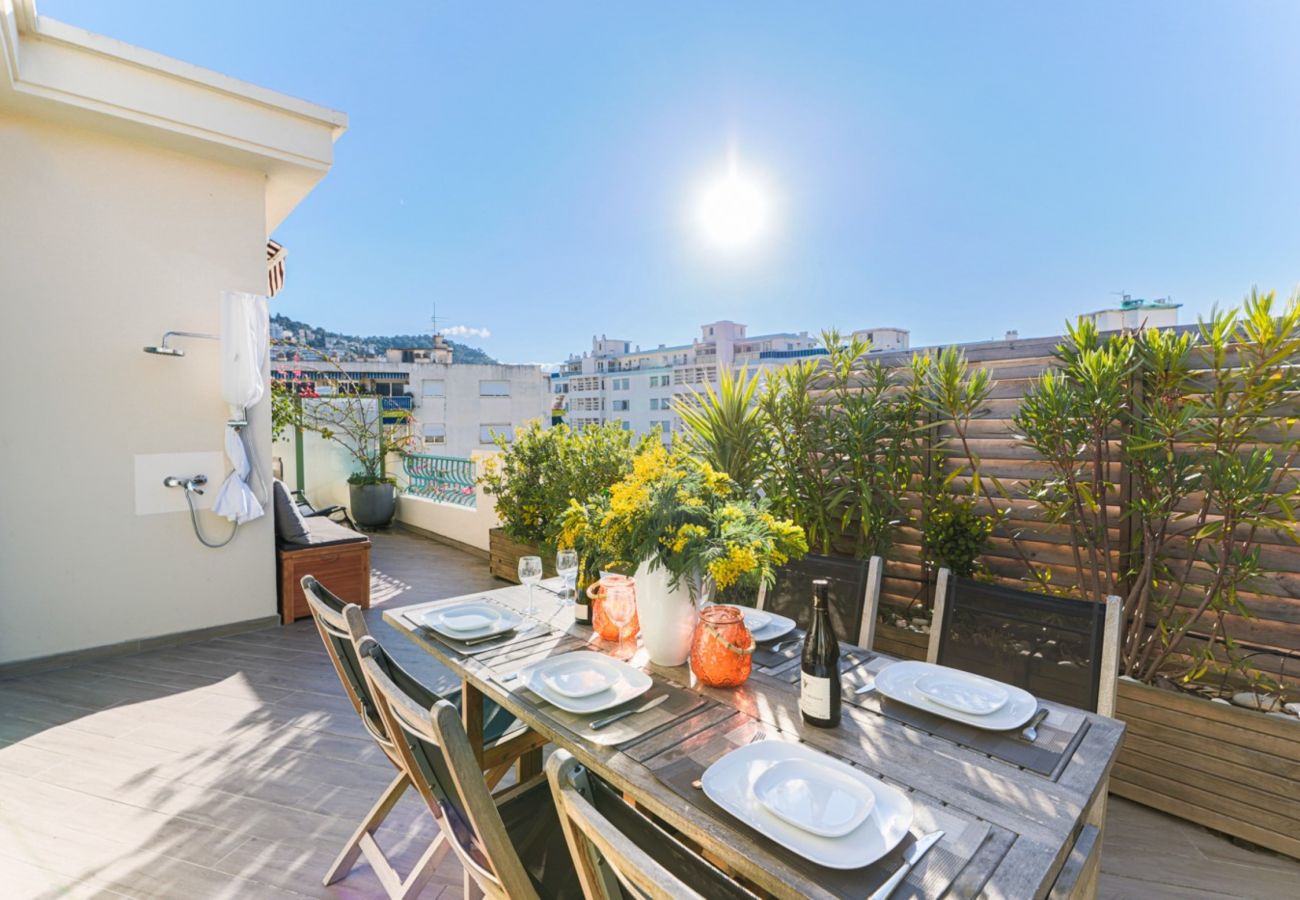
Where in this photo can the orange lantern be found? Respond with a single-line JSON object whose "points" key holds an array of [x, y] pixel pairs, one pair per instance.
{"points": [[722, 650], [601, 622]]}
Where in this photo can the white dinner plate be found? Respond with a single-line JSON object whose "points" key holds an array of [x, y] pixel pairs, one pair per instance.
{"points": [[470, 620], [625, 682], [731, 783], [964, 692], [775, 626], [815, 797], [577, 678], [897, 681]]}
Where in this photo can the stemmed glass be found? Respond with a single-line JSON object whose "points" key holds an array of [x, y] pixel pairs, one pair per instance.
{"points": [[530, 572], [619, 606], [566, 566]]}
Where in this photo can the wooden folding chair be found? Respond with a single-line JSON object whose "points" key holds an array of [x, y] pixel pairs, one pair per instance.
{"points": [[854, 594], [342, 626], [511, 845], [620, 852]]}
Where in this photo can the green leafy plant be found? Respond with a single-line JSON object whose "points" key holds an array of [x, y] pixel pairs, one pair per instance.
{"points": [[542, 469], [1203, 426], [955, 534], [726, 428], [351, 419], [845, 443]]}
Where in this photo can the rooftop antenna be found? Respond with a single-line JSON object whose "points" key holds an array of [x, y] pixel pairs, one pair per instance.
{"points": [[434, 319]]}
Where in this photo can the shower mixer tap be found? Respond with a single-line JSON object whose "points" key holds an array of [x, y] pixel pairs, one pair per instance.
{"points": [[193, 484]]}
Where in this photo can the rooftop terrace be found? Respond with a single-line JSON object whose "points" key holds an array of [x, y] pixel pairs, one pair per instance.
{"points": [[234, 767]]}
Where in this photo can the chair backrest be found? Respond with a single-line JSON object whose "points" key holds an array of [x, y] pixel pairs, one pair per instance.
{"points": [[1057, 648], [435, 752], [620, 852], [854, 594], [342, 626]]}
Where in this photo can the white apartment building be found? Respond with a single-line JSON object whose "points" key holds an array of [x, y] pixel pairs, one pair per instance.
{"points": [[615, 382], [1134, 312], [455, 408]]}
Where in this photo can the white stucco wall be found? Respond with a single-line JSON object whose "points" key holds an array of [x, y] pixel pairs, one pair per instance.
{"points": [[105, 243]]}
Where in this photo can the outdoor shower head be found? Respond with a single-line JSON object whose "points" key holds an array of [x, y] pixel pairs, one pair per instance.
{"points": [[163, 350]]}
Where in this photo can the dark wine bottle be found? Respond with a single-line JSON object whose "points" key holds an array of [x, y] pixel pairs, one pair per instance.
{"points": [[819, 678], [581, 607]]}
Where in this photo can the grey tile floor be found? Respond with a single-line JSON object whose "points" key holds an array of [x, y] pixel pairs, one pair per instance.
{"points": [[234, 767]]}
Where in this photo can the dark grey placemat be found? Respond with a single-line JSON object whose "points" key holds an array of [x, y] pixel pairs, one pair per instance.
{"points": [[1056, 740], [766, 657], [942, 865], [680, 704]]}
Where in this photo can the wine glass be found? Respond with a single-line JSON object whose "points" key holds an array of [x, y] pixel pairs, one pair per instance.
{"points": [[566, 566], [619, 606], [530, 572]]}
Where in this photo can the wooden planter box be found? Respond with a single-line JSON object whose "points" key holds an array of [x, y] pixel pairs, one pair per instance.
{"points": [[504, 553], [1231, 769]]}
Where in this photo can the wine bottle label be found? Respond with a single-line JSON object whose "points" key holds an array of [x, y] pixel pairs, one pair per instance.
{"points": [[815, 696], [581, 611]]}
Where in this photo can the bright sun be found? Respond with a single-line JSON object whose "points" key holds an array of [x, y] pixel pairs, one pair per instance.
{"points": [[733, 210]]}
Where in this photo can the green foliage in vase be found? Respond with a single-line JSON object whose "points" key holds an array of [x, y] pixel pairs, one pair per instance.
{"points": [[675, 510]]}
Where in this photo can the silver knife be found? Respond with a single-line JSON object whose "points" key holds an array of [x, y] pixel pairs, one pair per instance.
{"points": [[910, 858], [644, 707]]}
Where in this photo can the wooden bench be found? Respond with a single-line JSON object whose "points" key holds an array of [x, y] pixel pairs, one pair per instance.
{"points": [[337, 557]]}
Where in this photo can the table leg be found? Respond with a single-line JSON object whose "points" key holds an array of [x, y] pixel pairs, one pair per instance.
{"points": [[528, 765], [471, 712]]}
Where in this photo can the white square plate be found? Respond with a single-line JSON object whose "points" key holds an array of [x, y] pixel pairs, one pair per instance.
{"points": [[897, 681], [488, 619], [774, 627], [577, 678], [625, 682], [964, 692], [730, 782], [816, 797]]}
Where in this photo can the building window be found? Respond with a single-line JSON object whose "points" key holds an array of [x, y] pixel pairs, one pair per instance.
{"points": [[654, 404], [435, 433], [486, 433], [627, 426], [618, 405], [494, 389], [434, 388]]}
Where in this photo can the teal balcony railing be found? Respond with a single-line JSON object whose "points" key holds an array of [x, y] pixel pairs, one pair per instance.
{"points": [[447, 479]]}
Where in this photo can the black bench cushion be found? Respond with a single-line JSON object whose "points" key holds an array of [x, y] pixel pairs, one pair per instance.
{"points": [[322, 532]]}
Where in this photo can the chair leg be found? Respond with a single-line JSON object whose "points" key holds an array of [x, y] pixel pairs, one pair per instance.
{"points": [[352, 849]]}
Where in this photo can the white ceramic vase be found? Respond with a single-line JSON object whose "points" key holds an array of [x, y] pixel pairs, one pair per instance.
{"points": [[667, 616]]}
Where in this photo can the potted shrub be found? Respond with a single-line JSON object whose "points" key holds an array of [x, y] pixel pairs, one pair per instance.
{"points": [[360, 425], [1192, 439], [536, 475]]}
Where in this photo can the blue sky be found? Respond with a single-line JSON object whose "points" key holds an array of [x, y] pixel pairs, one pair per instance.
{"points": [[952, 168]]}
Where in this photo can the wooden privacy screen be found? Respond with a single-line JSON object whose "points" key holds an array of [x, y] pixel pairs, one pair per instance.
{"points": [[1275, 604]]}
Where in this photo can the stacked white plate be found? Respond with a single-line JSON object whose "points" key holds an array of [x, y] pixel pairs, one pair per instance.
{"points": [[957, 695], [813, 804], [470, 621], [584, 681], [766, 626]]}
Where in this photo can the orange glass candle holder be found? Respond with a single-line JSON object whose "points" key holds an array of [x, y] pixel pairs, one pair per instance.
{"points": [[722, 650], [599, 620]]}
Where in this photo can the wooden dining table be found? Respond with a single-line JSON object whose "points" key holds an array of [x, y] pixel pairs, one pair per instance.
{"points": [[1014, 813]]}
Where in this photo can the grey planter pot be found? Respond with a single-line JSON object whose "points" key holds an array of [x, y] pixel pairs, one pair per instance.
{"points": [[373, 505]]}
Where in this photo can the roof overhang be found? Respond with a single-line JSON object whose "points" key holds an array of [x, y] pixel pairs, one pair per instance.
{"points": [[55, 71]]}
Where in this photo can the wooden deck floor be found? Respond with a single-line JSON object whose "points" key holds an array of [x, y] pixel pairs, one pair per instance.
{"points": [[235, 768]]}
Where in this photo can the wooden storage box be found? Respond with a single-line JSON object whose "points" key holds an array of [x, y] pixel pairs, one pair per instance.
{"points": [[339, 559]]}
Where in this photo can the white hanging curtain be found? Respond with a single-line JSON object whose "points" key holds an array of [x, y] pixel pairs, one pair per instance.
{"points": [[244, 348]]}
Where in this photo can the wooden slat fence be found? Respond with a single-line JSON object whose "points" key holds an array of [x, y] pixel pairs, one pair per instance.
{"points": [[906, 589]]}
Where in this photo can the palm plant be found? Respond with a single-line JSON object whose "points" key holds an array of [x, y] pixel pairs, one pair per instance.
{"points": [[727, 429]]}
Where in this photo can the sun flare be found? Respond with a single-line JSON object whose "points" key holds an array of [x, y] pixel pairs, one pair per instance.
{"points": [[733, 210]]}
